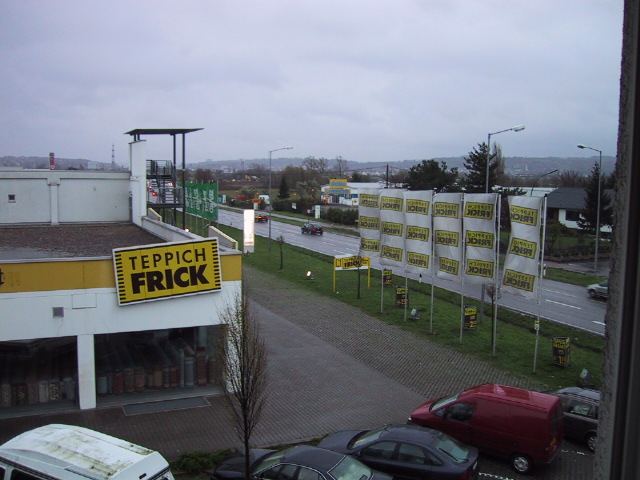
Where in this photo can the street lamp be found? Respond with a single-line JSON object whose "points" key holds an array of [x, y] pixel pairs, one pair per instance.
{"points": [[595, 257], [517, 128], [538, 179], [270, 197]]}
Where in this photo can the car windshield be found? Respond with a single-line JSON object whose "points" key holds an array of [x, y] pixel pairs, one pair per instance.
{"points": [[366, 437], [267, 461], [350, 469], [453, 449], [443, 401]]}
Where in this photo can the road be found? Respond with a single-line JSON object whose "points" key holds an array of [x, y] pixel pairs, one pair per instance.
{"points": [[560, 302]]}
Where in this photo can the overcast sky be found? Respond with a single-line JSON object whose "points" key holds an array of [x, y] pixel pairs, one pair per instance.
{"points": [[368, 80]]}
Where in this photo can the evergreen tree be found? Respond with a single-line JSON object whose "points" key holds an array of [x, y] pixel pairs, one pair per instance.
{"points": [[283, 193], [589, 215], [476, 165], [431, 175]]}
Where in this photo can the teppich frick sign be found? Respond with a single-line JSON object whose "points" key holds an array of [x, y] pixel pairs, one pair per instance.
{"points": [[156, 272]]}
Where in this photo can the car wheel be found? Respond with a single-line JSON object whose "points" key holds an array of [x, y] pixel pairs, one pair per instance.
{"points": [[592, 293], [591, 441], [521, 463]]}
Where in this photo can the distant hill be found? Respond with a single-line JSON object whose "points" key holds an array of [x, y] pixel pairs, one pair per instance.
{"points": [[60, 163], [514, 165]]}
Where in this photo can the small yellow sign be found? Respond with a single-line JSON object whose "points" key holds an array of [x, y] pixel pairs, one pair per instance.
{"points": [[157, 272]]}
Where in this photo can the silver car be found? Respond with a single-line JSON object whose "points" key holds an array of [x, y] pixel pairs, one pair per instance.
{"points": [[599, 290]]}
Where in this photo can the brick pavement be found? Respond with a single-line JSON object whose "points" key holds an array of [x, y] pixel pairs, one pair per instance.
{"points": [[332, 368]]}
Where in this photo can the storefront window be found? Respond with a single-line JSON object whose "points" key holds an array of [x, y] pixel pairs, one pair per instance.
{"points": [[156, 361], [38, 373]]}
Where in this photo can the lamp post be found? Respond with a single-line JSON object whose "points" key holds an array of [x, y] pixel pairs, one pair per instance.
{"points": [[595, 257], [517, 128], [538, 179], [270, 197]]}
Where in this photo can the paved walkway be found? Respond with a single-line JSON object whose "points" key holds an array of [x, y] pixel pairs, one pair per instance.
{"points": [[331, 368]]}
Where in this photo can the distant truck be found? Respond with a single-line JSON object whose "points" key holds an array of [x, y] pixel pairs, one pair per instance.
{"points": [[67, 452]]}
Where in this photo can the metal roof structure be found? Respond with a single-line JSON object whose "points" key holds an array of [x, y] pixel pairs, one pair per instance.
{"points": [[137, 132], [160, 131]]}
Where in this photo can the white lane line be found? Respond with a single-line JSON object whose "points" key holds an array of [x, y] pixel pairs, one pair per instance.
{"points": [[598, 323], [563, 304], [564, 294]]}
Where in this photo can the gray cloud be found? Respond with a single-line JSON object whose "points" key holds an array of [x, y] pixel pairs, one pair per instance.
{"points": [[365, 80]]}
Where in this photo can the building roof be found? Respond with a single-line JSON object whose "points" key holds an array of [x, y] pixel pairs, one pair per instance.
{"points": [[72, 240], [569, 198]]}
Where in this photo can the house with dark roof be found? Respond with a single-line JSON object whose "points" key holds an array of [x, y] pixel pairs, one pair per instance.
{"points": [[565, 204]]}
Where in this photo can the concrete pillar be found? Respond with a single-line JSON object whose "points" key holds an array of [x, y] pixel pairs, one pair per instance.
{"points": [[138, 180], [86, 372], [54, 184]]}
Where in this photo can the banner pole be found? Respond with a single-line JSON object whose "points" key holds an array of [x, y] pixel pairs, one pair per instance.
{"points": [[406, 295], [382, 290], [540, 276], [495, 280]]}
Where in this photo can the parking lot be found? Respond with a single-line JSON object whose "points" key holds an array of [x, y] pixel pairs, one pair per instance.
{"points": [[332, 369]]}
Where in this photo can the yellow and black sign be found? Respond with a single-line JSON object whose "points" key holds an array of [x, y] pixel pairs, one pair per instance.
{"points": [[561, 350], [370, 223], [387, 276], [417, 233], [443, 209], [450, 266], [417, 259], [351, 263], [480, 239], [445, 237], [391, 228], [368, 200], [524, 248], [391, 203], [157, 272], [521, 281], [526, 216], [417, 206], [391, 253], [479, 268], [483, 211], [470, 317], [401, 296], [369, 245]]}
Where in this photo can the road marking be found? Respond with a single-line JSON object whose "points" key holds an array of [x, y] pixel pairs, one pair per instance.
{"points": [[599, 323], [564, 294], [563, 304]]}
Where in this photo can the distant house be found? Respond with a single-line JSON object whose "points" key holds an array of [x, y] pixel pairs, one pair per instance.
{"points": [[565, 204]]}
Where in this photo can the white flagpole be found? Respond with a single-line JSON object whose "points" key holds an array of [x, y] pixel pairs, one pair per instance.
{"points": [[463, 265], [495, 273], [540, 275]]}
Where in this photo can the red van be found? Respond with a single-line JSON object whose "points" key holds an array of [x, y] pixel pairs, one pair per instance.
{"points": [[521, 425]]}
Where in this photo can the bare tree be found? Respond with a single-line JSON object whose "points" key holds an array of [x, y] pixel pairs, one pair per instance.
{"points": [[244, 369], [571, 178], [341, 166]]}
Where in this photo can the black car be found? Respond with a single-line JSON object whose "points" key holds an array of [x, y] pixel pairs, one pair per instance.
{"points": [[302, 462], [408, 451], [312, 228], [261, 217], [580, 407]]}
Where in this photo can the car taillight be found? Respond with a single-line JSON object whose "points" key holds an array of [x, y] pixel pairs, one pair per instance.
{"points": [[466, 475]]}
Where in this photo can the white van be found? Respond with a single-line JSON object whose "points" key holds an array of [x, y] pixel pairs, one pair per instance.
{"points": [[67, 452]]}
